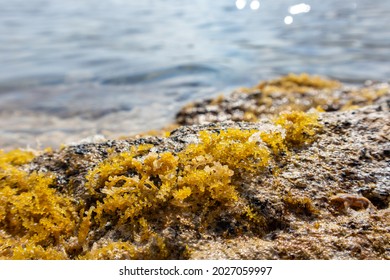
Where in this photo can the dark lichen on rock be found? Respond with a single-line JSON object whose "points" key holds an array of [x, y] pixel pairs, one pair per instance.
{"points": [[292, 186]]}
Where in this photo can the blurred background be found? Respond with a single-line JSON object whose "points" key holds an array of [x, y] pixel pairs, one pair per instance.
{"points": [[75, 68]]}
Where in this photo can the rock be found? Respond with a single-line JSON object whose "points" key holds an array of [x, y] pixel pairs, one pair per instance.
{"points": [[270, 189], [292, 92]]}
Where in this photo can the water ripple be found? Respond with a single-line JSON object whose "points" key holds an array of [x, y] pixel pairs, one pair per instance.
{"points": [[162, 74]]}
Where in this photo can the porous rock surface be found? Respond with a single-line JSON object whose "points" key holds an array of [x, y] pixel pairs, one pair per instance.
{"points": [[327, 198], [351, 156], [292, 92], [306, 215]]}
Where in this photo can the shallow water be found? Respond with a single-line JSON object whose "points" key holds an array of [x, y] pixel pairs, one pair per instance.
{"points": [[75, 68]]}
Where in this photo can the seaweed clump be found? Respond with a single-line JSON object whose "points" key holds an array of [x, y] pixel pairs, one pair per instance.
{"points": [[141, 191], [144, 203], [301, 83], [35, 220]]}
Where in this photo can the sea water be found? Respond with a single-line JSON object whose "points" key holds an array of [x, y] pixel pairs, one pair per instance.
{"points": [[77, 68]]}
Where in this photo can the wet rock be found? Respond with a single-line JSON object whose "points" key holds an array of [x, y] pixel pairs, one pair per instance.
{"points": [[180, 198], [301, 220], [293, 92]]}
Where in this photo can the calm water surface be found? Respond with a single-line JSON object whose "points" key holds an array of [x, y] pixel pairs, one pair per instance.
{"points": [[70, 69]]}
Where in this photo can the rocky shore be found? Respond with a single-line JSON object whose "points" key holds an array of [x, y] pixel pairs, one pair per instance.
{"points": [[295, 168]]}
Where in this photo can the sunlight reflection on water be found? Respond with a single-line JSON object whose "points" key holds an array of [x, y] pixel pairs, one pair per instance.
{"points": [[299, 8], [87, 61]]}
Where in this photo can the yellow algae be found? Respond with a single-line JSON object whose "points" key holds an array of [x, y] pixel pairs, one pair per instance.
{"points": [[115, 165], [217, 100], [316, 92], [300, 205], [203, 171], [38, 212], [253, 216], [294, 83], [157, 203], [182, 193], [364, 96], [147, 245], [30, 209], [300, 127], [141, 187], [249, 117], [30, 251], [23, 248], [85, 226], [131, 185], [139, 190], [28, 206], [349, 106], [111, 251], [211, 182], [371, 94], [288, 93], [232, 148], [16, 157]]}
